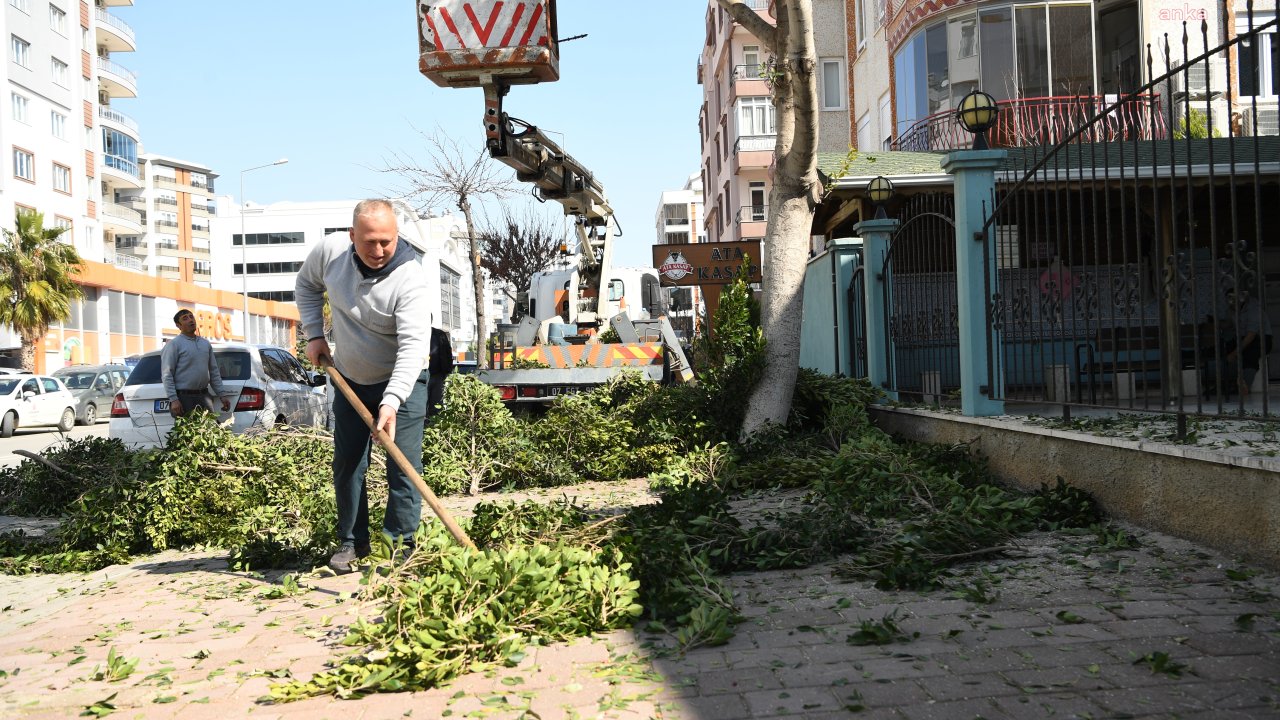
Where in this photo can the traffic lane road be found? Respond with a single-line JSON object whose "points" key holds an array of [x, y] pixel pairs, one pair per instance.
{"points": [[38, 439]]}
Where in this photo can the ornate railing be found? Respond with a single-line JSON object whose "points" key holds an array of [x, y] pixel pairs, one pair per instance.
{"points": [[1045, 121]]}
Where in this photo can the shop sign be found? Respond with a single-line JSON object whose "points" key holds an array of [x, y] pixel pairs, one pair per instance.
{"points": [[214, 326], [706, 263]]}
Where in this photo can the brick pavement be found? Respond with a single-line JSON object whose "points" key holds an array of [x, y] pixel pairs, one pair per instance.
{"points": [[1058, 635]]}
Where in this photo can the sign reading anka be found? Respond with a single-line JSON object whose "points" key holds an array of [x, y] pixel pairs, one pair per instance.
{"points": [[706, 263]]}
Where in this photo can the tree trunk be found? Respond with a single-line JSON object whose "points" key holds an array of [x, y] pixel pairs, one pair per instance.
{"points": [[796, 191], [29, 354], [477, 284]]}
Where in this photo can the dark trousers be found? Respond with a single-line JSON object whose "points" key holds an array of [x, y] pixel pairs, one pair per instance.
{"points": [[192, 399], [352, 445]]}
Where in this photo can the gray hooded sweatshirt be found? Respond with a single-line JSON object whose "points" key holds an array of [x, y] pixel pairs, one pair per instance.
{"points": [[381, 318]]}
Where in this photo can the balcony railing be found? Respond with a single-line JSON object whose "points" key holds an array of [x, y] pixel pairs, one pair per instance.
{"points": [[166, 201], [1024, 122], [105, 64], [166, 223], [122, 212], [752, 213], [124, 165], [755, 143], [127, 262], [117, 23], [118, 118], [748, 72]]}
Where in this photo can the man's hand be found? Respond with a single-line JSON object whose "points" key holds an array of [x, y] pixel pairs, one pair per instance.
{"points": [[226, 404], [318, 352], [386, 422], [175, 407]]}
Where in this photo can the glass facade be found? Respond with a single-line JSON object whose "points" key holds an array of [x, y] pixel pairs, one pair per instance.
{"points": [[1032, 50]]}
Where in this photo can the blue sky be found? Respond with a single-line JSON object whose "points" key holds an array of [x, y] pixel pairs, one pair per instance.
{"points": [[334, 87]]}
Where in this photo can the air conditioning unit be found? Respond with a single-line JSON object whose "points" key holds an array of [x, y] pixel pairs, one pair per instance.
{"points": [[104, 97], [1267, 121], [1204, 80]]}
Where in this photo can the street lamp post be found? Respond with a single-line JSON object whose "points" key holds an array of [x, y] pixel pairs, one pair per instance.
{"points": [[244, 245]]}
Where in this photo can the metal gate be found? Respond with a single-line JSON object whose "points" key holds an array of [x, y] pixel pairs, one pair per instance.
{"points": [[920, 311], [856, 297], [1131, 271]]}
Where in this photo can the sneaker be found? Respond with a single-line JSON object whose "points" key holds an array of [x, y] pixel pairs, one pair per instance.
{"points": [[341, 561]]}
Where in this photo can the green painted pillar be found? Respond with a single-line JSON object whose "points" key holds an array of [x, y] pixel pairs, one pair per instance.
{"points": [[975, 182], [875, 248]]}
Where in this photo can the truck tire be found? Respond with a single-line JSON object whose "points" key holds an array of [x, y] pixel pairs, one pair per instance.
{"points": [[8, 424]]}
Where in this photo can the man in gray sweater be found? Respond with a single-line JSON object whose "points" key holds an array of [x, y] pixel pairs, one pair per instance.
{"points": [[188, 368], [378, 302]]}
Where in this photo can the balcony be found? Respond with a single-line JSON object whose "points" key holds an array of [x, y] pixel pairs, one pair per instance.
{"points": [[128, 262], [168, 273], [748, 81], [199, 208], [752, 220], [1025, 122], [119, 120], [753, 152], [120, 171], [198, 231], [131, 248], [171, 225], [114, 34], [121, 219], [118, 81]]}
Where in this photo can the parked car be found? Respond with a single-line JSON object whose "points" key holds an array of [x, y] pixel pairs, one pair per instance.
{"points": [[94, 387], [33, 401], [268, 387]]}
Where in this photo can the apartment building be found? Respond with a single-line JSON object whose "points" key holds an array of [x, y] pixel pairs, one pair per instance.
{"points": [[679, 221], [260, 249], [737, 121], [141, 222]]}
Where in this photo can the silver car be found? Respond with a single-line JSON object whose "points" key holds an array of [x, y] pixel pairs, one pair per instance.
{"points": [[268, 387], [94, 387]]}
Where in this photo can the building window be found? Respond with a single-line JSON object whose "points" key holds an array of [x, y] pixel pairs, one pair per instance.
{"points": [[886, 122], [20, 51], [864, 131], [756, 117], [57, 20], [59, 71], [860, 22], [20, 4], [280, 238], [266, 268], [19, 108], [62, 178], [677, 238], [332, 230], [62, 223], [833, 95], [756, 194], [58, 124], [675, 214], [751, 61], [1259, 58], [24, 165], [450, 299], [20, 209], [275, 295]]}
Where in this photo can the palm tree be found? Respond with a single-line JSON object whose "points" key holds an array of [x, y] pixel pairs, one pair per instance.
{"points": [[36, 277]]}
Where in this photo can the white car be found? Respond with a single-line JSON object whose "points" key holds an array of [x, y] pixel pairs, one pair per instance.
{"points": [[267, 384], [33, 401]]}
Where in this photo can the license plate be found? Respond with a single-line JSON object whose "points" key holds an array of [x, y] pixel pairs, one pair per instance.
{"points": [[562, 390], [162, 406]]}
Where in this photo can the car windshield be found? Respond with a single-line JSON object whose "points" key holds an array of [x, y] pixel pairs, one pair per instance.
{"points": [[232, 365], [77, 381], [7, 385]]}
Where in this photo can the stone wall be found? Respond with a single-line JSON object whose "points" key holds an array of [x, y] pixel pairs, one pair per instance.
{"points": [[1231, 503]]}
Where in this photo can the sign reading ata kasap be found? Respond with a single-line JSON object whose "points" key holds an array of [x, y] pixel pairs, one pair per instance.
{"points": [[706, 263]]}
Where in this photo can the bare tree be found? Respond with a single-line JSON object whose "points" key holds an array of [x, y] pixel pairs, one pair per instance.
{"points": [[454, 175], [517, 247], [796, 192]]}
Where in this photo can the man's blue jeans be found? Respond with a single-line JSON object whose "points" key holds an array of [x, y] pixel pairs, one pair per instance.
{"points": [[352, 445]]}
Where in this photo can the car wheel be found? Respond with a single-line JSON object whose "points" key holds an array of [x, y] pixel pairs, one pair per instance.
{"points": [[90, 414], [68, 420], [8, 425]]}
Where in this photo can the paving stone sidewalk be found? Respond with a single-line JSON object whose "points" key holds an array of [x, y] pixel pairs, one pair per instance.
{"points": [[1166, 630]]}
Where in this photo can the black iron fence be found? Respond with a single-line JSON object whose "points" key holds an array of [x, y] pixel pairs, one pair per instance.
{"points": [[1144, 273]]}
